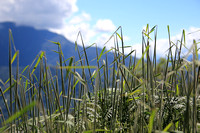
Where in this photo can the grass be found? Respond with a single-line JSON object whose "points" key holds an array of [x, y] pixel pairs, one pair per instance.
{"points": [[127, 94]]}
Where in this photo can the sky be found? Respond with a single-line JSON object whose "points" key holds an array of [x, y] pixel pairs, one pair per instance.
{"points": [[97, 20]]}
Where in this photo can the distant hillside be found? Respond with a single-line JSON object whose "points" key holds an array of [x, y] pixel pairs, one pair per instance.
{"points": [[30, 42]]}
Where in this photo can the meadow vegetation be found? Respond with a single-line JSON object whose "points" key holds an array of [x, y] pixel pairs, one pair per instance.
{"points": [[128, 94]]}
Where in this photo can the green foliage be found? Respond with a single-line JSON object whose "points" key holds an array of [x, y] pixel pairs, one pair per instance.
{"points": [[126, 95]]}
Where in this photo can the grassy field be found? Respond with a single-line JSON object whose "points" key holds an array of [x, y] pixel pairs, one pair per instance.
{"points": [[144, 95]]}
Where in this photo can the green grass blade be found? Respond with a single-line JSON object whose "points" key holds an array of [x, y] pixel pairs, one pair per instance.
{"points": [[101, 53], [38, 61], [21, 112], [151, 120], [168, 127], [14, 56]]}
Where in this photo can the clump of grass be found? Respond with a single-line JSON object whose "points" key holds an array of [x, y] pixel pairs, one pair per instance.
{"points": [[127, 94]]}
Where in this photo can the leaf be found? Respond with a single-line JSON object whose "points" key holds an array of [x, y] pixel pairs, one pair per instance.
{"points": [[129, 54], [147, 28], [76, 45], [55, 51], [24, 69], [90, 46], [108, 50], [101, 53], [21, 112], [11, 36], [152, 29], [77, 99], [57, 43], [184, 36], [147, 35], [38, 61], [168, 126], [151, 120], [97, 130], [70, 64], [126, 47], [9, 88], [115, 60], [196, 51], [126, 69], [119, 36], [135, 90], [77, 67], [78, 77], [75, 84], [14, 56], [66, 122], [140, 59], [177, 90], [93, 74]]}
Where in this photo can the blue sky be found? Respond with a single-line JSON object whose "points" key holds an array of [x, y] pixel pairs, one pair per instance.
{"points": [[133, 15], [97, 20]]}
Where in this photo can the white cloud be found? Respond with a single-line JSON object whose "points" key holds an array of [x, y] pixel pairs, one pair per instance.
{"points": [[76, 24], [80, 18], [137, 47], [190, 35], [163, 43], [91, 34], [40, 14], [48, 14], [126, 38], [105, 25], [102, 39], [57, 16], [70, 31]]}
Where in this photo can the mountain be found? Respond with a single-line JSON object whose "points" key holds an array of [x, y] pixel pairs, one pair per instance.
{"points": [[30, 42]]}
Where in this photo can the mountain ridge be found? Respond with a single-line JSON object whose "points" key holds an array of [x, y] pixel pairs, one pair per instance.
{"points": [[30, 41]]}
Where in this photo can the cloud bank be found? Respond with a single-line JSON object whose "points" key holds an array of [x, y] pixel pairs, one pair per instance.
{"points": [[57, 16], [38, 13], [105, 25], [162, 44], [96, 33]]}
